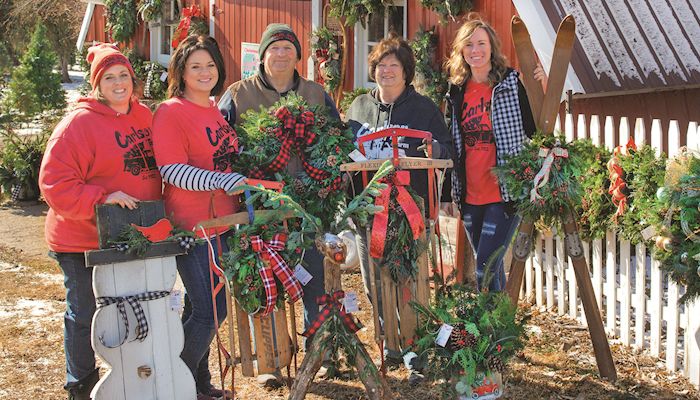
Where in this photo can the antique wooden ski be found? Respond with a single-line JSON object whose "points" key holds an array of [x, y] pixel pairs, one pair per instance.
{"points": [[563, 47], [528, 62]]}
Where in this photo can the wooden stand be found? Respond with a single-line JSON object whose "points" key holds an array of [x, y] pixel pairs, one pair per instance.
{"points": [[376, 386], [152, 368], [548, 106]]}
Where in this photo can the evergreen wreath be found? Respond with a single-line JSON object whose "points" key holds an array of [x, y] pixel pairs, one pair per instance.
{"points": [[121, 19], [679, 232], [643, 176], [349, 97], [242, 264], [357, 10], [448, 8], [559, 187], [325, 50], [596, 208], [401, 250], [429, 80], [291, 127], [486, 334]]}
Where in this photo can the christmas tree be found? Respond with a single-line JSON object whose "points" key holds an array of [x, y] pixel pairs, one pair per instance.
{"points": [[34, 86]]}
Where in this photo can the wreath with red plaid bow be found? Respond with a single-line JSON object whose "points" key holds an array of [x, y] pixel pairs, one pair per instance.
{"points": [[260, 264], [325, 51], [291, 128]]}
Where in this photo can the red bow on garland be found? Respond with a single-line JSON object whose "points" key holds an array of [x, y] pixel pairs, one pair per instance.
{"points": [[400, 180], [295, 133], [274, 264], [184, 26], [617, 184], [332, 303]]}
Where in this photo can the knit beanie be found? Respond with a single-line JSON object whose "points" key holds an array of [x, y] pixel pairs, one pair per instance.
{"points": [[102, 56], [277, 32]]}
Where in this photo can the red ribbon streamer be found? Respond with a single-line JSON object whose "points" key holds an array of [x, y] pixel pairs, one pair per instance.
{"points": [[330, 304], [413, 213], [184, 26], [274, 264], [617, 183]]}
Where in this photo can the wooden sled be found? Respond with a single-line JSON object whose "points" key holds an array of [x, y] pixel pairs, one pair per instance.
{"points": [[400, 320]]}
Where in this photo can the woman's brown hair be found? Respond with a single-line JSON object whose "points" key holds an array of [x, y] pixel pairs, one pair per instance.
{"points": [[400, 49], [176, 69], [457, 68]]}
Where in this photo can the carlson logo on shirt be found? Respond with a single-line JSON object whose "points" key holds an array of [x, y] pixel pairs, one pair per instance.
{"points": [[225, 138], [139, 157]]}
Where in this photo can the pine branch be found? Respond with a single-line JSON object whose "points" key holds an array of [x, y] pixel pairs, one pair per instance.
{"points": [[361, 206]]}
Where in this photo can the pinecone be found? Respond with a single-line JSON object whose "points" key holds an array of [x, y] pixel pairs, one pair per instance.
{"points": [[460, 338], [494, 363], [298, 185]]}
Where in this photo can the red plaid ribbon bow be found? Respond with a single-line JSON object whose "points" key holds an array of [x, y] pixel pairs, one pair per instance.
{"points": [[400, 180], [617, 183], [274, 264], [184, 26], [330, 304]]}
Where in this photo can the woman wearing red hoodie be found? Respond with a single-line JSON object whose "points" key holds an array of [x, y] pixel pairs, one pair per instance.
{"points": [[87, 163]]}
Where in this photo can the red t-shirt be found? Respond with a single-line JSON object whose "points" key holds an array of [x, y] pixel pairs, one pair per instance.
{"points": [[479, 145], [186, 133]]}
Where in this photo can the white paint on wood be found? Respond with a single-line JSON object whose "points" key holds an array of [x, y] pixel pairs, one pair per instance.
{"points": [[674, 138], [656, 136], [160, 350], [569, 127], [609, 133], [573, 289], [655, 309], [693, 141], [561, 285], [672, 326], [597, 258], [624, 131], [692, 342], [595, 130], [581, 129], [549, 266], [539, 294], [640, 132], [625, 295], [611, 285], [640, 295]]}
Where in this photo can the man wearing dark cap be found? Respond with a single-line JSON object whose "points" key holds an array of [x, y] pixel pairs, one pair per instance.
{"points": [[277, 76]]}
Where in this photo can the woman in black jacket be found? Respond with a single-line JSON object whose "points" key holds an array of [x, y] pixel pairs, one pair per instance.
{"points": [[490, 118]]}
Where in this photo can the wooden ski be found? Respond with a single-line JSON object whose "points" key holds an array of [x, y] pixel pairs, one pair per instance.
{"points": [[528, 62], [563, 47]]}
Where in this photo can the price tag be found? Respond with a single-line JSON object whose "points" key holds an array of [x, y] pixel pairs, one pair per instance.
{"points": [[163, 76], [356, 156], [648, 232], [302, 275], [443, 335], [350, 302], [176, 300]]}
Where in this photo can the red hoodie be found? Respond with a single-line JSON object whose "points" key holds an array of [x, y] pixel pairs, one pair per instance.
{"points": [[93, 152]]}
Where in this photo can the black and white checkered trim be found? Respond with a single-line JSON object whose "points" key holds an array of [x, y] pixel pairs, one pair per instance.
{"points": [[134, 302]]}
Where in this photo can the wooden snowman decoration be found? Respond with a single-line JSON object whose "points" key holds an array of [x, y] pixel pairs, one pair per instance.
{"points": [[136, 329]]}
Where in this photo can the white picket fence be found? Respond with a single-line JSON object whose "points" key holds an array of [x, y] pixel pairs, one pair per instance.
{"points": [[638, 302]]}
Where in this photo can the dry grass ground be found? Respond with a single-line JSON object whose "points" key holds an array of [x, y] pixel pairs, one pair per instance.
{"points": [[557, 363]]}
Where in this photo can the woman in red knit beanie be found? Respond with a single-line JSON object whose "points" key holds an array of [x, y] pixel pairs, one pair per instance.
{"points": [[84, 165]]}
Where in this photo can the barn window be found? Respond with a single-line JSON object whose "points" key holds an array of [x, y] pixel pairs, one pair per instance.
{"points": [[391, 19], [162, 32]]}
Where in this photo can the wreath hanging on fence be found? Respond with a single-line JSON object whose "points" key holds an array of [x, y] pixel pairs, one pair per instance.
{"points": [[678, 238], [596, 208], [544, 178], [639, 176], [448, 8], [269, 138], [325, 50]]}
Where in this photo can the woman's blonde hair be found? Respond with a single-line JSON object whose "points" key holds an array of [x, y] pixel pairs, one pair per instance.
{"points": [[458, 69]]}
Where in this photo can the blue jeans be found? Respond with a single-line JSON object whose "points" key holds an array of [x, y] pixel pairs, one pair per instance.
{"points": [[80, 307], [199, 326], [489, 226]]}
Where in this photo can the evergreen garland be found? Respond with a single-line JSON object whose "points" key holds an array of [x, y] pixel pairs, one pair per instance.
{"points": [[121, 19], [357, 10], [448, 8], [561, 192], [349, 97], [429, 80], [679, 202], [486, 334], [325, 50], [596, 207], [643, 175]]}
